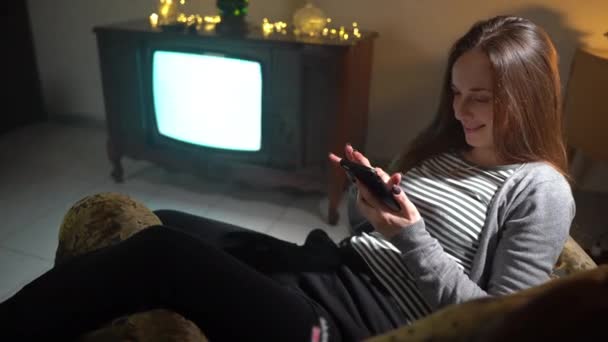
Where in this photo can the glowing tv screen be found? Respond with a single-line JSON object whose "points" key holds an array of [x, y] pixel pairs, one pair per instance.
{"points": [[210, 100]]}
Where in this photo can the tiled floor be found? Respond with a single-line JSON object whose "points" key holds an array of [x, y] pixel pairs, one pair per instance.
{"points": [[45, 168]]}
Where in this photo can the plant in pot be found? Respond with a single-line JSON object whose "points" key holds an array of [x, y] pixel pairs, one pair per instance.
{"points": [[233, 13]]}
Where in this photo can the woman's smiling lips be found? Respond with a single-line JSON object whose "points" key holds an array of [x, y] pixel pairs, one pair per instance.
{"points": [[471, 129]]}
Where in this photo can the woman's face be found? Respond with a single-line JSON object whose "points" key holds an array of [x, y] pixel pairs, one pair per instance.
{"points": [[472, 87]]}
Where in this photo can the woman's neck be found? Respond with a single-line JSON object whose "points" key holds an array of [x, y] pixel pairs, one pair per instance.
{"points": [[484, 157]]}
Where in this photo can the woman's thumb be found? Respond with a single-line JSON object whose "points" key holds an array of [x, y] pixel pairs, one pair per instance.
{"points": [[395, 179]]}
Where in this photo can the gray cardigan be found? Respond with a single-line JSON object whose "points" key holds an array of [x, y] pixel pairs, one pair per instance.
{"points": [[526, 226]]}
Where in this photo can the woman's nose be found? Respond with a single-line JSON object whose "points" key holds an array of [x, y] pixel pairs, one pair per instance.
{"points": [[461, 109]]}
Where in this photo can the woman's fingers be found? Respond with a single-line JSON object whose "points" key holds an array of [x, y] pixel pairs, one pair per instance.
{"points": [[383, 175], [359, 157], [390, 180], [367, 195], [355, 155], [334, 158], [365, 208], [408, 209], [395, 179], [348, 152]]}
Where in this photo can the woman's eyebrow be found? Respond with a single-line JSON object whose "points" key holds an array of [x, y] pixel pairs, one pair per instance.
{"points": [[475, 88], [480, 89]]}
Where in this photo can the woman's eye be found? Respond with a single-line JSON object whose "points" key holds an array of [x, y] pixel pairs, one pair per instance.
{"points": [[481, 99]]}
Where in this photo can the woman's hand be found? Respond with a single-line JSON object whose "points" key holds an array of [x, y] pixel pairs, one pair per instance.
{"points": [[385, 220]]}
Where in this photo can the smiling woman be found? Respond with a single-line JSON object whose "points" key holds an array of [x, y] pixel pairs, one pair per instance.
{"points": [[472, 88], [516, 61], [486, 201]]}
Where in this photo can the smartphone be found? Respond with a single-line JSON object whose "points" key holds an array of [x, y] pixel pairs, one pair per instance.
{"points": [[372, 180]]}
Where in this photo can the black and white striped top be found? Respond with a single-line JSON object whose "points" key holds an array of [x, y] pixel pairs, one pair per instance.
{"points": [[452, 196]]}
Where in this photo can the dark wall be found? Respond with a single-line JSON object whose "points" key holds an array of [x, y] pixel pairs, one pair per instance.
{"points": [[21, 98]]}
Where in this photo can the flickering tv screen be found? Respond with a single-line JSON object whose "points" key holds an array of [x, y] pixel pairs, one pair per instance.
{"points": [[208, 100]]}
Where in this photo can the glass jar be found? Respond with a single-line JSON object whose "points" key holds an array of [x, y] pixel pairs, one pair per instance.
{"points": [[310, 19]]}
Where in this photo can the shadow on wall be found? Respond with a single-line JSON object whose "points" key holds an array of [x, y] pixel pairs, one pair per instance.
{"points": [[565, 38], [411, 81], [405, 97]]}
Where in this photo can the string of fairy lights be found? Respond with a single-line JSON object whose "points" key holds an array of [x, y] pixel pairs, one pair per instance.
{"points": [[341, 32], [167, 15]]}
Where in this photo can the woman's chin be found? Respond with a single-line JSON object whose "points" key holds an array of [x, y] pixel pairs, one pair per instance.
{"points": [[471, 141]]}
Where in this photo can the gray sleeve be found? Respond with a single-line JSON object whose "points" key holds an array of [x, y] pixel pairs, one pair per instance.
{"points": [[533, 236]]}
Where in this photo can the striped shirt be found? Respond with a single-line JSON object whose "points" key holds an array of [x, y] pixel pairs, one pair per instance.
{"points": [[452, 196]]}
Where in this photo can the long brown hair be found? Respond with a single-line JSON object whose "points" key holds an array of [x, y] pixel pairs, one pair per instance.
{"points": [[528, 122]]}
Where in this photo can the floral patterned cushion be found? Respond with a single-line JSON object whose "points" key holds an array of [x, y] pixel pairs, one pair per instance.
{"points": [[104, 219]]}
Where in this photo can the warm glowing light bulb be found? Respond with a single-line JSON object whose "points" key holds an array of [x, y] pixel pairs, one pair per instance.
{"points": [[154, 20], [345, 36], [212, 20], [268, 27], [355, 24], [183, 2], [329, 20]]}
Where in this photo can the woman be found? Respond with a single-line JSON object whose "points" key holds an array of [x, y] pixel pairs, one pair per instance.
{"points": [[486, 208], [488, 205]]}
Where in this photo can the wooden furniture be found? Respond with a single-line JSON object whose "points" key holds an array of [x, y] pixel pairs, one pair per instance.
{"points": [[586, 107], [316, 93]]}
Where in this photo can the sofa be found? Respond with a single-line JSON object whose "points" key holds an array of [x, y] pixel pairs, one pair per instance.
{"points": [[577, 286]]}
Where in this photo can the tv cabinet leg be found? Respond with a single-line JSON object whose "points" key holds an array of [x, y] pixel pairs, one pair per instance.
{"points": [[333, 216], [115, 157]]}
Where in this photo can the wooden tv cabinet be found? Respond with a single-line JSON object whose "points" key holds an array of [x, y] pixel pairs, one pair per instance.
{"points": [[320, 91]]}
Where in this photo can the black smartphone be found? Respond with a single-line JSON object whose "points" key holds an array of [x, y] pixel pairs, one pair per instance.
{"points": [[372, 180]]}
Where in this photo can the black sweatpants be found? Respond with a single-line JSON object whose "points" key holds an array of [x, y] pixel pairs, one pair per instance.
{"points": [[235, 284]]}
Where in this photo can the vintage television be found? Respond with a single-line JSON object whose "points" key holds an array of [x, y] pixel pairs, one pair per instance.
{"points": [[196, 100], [213, 102]]}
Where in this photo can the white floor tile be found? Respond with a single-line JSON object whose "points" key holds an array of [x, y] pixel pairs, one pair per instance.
{"points": [[141, 191], [250, 207], [17, 270], [307, 214], [36, 200], [193, 202], [39, 239]]}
